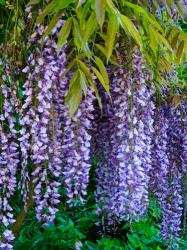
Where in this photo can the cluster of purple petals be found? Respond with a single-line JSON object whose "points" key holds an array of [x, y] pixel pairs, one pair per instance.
{"points": [[172, 210], [58, 147], [126, 146], [9, 153], [160, 160], [169, 165], [184, 164], [142, 151], [42, 112], [103, 149], [77, 149], [184, 136]]}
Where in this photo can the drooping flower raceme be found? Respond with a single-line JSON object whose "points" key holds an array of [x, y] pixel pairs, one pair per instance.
{"points": [[77, 149], [172, 209], [58, 146], [168, 167], [42, 125], [9, 154], [130, 124]]}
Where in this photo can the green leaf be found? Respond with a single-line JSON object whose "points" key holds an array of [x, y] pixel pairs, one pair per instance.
{"points": [[52, 24], [102, 49], [47, 10], [100, 11], [74, 96], [20, 92], [163, 41], [100, 78], [104, 73], [83, 82], [64, 33], [83, 12], [112, 29], [130, 28], [179, 51], [89, 77], [53, 7], [77, 34], [63, 4], [90, 28], [138, 10], [72, 64], [175, 39], [111, 6], [153, 40]]}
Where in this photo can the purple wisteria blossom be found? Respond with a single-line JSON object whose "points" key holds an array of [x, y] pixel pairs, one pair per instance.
{"points": [[172, 210], [168, 167], [123, 184], [42, 120], [77, 149], [9, 153]]}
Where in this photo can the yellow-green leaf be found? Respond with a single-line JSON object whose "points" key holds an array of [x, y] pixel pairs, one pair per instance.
{"points": [[111, 6], [90, 80], [74, 96], [102, 49], [83, 82], [77, 34], [179, 51], [100, 11], [138, 10], [112, 29], [102, 69], [153, 40], [90, 28], [52, 24], [100, 78], [130, 28], [64, 33], [175, 40], [47, 10], [163, 41]]}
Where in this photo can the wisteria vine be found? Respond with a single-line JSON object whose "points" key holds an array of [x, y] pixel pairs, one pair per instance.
{"points": [[141, 146]]}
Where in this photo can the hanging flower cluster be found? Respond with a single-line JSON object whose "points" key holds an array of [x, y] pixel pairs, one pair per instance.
{"points": [[172, 207], [41, 140], [142, 151], [57, 146], [77, 149], [123, 177], [9, 152]]}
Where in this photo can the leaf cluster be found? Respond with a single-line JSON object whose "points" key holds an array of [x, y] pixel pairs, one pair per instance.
{"points": [[92, 29]]}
